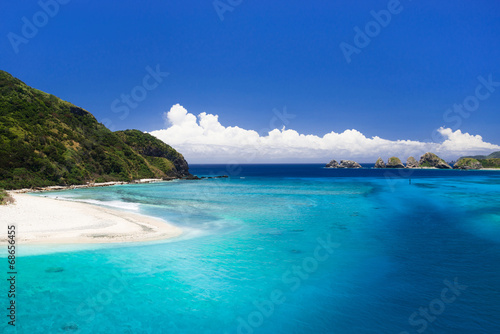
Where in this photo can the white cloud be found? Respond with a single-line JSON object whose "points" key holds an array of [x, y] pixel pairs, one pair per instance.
{"points": [[203, 139]]}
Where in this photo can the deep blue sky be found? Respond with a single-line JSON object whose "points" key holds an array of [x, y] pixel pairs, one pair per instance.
{"points": [[267, 55]]}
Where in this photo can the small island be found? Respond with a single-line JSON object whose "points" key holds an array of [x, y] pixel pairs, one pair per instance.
{"points": [[343, 164], [487, 162], [429, 161]]}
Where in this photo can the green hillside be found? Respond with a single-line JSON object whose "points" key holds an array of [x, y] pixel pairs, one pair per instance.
{"points": [[487, 161], [467, 163], [494, 155], [158, 154], [47, 141], [490, 162]]}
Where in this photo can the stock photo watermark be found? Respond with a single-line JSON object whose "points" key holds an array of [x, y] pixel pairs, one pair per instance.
{"points": [[31, 26], [223, 6], [363, 37], [292, 279], [471, 103], [279, 119], [425, 316], [139, 93], [88, 309], [234, 169], [11, 275]]}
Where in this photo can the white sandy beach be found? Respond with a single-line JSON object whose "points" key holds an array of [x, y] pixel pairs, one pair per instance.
{"points": [[41, 220]]}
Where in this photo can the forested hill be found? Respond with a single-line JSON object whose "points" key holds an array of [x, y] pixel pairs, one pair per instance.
{"points": [[494, 155], [47, 141], [482, 161]]}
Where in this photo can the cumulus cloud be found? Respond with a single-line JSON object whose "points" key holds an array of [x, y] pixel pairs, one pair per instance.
{"points": [[203, 139]]}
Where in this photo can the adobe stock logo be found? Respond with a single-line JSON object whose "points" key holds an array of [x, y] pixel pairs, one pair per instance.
{"points": [[89, 309], [225, 6], [372, 29], [292, 280], [30, 28], [471, 103], [427, 315], [139, 93]]}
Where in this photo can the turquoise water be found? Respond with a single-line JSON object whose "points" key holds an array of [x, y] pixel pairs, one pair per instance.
{"points": [[295, 249]]}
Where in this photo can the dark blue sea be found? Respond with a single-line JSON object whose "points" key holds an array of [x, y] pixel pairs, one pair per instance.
{"points": [[281, 249]]}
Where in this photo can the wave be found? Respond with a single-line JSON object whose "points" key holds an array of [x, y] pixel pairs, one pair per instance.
{"points": [[129, 206]]}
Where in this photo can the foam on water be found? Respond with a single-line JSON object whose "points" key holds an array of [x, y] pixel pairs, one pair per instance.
{"points": [[111, 204]]}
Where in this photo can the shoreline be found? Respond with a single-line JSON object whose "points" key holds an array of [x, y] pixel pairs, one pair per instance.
{"points": [[89, 185], [41, 220], [109, 184]]}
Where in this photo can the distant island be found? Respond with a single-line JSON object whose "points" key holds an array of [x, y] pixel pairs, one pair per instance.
{"points": [[45, 141], [429, 160], [491, 161]]}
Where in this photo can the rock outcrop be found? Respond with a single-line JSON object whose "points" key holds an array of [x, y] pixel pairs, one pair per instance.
{"points": [[468, 163], [431, 160], [380, 163], [332, 164], [343, 164], [394, 163], [349, 164], [411, 162]]}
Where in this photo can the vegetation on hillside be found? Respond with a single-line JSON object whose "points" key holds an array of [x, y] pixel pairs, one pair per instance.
{"points": [[159, 155], [494, 155], [431, 160], [487, 161], [5, 198], [46, 141], [490, 162], [467, 163], [394, 161]]}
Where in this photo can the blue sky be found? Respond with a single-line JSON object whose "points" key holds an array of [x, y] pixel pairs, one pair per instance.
{"points": [[263, 56]]}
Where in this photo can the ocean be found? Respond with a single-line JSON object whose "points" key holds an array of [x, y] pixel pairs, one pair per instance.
{"points": [[280, 249]]}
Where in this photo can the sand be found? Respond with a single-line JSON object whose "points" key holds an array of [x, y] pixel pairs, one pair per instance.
{"points": [[41, 220]]}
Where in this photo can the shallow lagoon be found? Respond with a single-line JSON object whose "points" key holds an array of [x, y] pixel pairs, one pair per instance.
{"points": [[282, 249]]}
